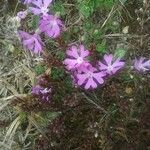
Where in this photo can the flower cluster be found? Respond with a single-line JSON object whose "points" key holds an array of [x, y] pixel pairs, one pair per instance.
{"points": [[86, 75], [77, 61], [49, 24]]}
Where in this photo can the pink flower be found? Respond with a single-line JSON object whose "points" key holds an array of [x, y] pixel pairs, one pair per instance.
{"points": [[77, 58], [51, 26], [111, 65], [22, 14], [41, 7], [142, 64], [31, 42], [90, 78], [41, 92]]}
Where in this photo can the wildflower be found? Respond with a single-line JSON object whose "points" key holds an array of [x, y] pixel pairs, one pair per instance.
{"points": [[51, 26], [31, 42], [22, 14], [77, 58], [41, 92], [142, 64], [111, 65], [40, 7], [90, 78]]}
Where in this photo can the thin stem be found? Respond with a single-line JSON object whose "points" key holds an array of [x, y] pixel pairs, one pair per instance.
{"points": [[16, 8], [91, 101]]}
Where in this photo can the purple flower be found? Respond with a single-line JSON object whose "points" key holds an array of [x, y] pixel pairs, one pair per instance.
{"points": [[77, 58], [40, 7], [142, 64], [90, 78], [111, 65], [51, 26], [41, 92], [22, 14], [31, 42]]}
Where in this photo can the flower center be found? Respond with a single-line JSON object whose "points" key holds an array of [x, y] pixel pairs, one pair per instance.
{"points": [[44, 10], [110, 68], [53, 22], [90, 74], [80, 60]]}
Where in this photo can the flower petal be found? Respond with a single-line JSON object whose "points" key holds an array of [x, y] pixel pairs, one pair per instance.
{"points": [[90, 83], [81, 78], [108, 59], [98, 77], [73, 52], [102, 66], [36, 11], [118, 63], [83, 52], [47, 2], [38, 3]]}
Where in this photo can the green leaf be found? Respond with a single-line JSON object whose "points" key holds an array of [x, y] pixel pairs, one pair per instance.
{"points": [[57, 73], [119, 53], [126, 77], [39, 69], [35, 22], [51, 115], [86, 8], [101, 48], [23, 117], [60, 55], [104, 3], [59, 8]]}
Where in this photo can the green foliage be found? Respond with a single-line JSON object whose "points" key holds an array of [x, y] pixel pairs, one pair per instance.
{"points": [[60, 55], [87, 7], [92, 33], [45, 117], [39, 69], [107, 4], [127, 77], [35, 22], [68, 84], [101, 47], [113, 24], [50, 115], [92, 30], [120, 52], [58, 7], [57, 73], [23, 117]]}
